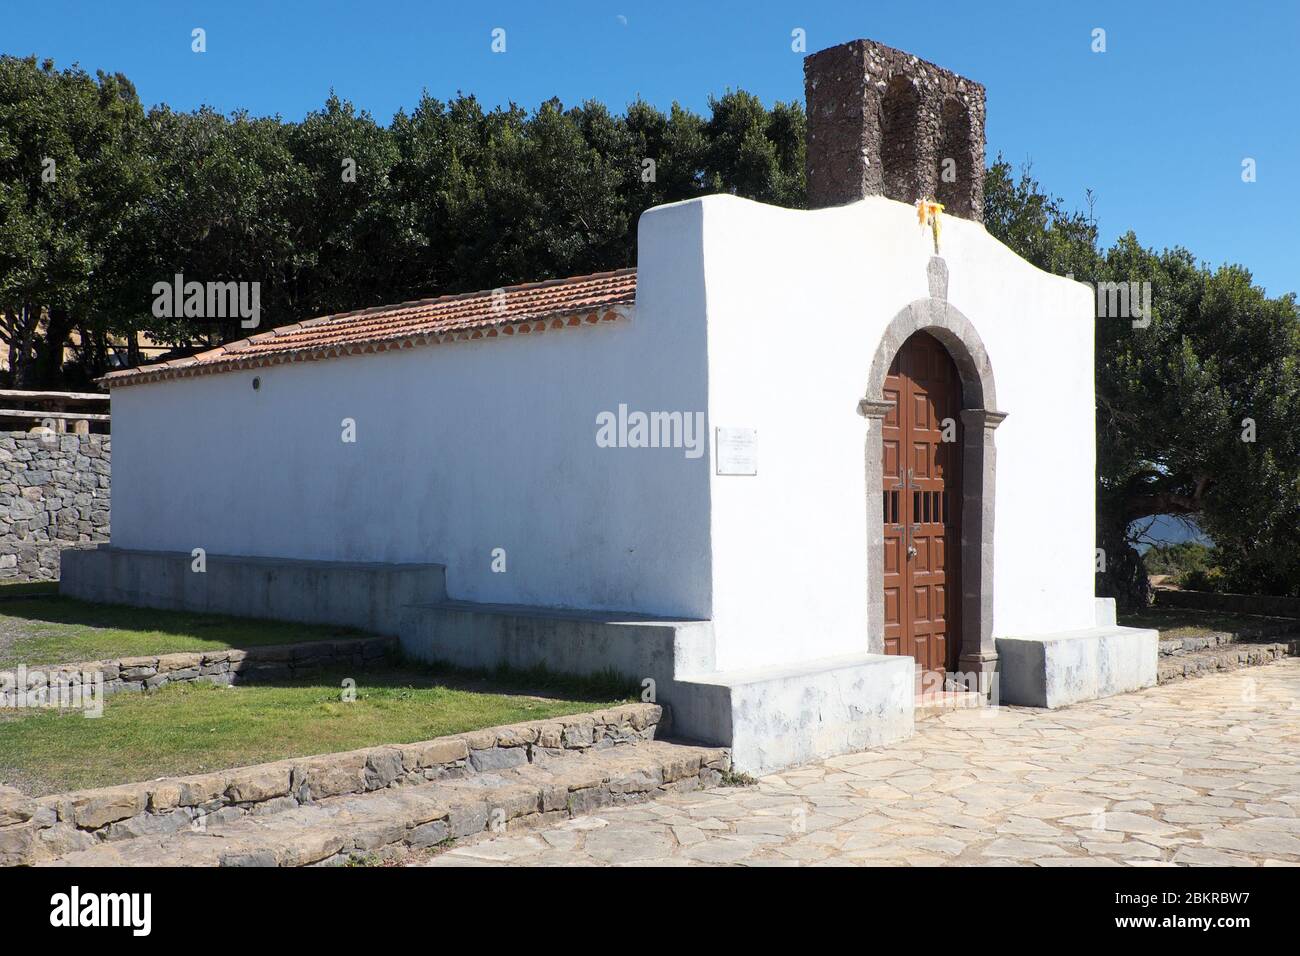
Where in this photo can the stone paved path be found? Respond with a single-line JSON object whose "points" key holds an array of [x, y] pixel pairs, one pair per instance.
{"points": [[1198, 772]]}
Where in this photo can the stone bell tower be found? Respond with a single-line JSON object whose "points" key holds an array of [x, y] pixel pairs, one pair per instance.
{"points": [[884, 122]]}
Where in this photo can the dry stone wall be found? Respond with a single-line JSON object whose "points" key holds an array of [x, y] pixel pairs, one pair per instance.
{"points": [[229, 666], [1262, 604], [33, 829], [54, 494]]}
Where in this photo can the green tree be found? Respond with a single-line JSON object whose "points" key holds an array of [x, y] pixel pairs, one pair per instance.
{"points": [[70, 172], [221, 210], [335, 212], [1036, 225], [754, 152], [348, 234], [1179, 559], [452, 198], [506, 196], [1175, 394]]}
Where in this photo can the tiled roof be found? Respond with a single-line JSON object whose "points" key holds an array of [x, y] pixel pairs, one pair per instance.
{"points": [[514, 310]]}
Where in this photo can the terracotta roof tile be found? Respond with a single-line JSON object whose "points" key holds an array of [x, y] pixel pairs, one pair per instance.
{"points": [[513, 310]]}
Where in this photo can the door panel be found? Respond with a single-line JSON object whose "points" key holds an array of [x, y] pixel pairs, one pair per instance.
{"points": [[921, 526], [894, 505]]}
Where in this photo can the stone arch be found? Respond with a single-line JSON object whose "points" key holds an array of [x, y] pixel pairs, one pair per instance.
{"points": [[979, 419], [900, 113], [936, 316], [955, 143]]}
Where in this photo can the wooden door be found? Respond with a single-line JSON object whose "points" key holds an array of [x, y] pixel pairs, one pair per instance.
{"points": [[922, 505]]}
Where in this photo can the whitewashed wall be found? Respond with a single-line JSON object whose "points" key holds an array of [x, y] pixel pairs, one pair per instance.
{"points": [[797, 303], [460, 449], [766, 318]]}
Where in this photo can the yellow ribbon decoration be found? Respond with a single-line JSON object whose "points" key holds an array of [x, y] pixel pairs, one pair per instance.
{"points": [[927, 213]]}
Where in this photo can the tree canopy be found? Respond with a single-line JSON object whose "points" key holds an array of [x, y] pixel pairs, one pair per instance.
{"points": [[1198, 409], [332, 213]]}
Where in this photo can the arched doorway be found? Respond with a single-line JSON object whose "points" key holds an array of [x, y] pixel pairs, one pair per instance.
{"points": [[921, 437], [970, 484]]}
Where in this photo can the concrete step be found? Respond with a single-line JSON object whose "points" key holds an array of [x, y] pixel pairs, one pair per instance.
{"points": [[771, 717], [1066, 667], [370, 596], [1230, 656], [934, 703], [784, 716], [337, 830], [636, 646]]}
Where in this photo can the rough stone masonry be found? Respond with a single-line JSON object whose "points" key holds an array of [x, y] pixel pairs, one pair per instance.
{"points": [[40, 828], [54, 494], [884, 122]]}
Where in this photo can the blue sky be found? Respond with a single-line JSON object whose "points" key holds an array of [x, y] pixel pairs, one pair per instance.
{"points": [[1157, 126]]}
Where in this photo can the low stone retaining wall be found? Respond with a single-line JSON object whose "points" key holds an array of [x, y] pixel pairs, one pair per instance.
{"points": [[1223, 657], [1258, 641], [1247, 633], [1237, 603], [232, 666], [42, 828]]}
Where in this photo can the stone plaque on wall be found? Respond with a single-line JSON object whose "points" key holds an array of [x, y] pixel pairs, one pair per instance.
{"points": [[737, 450]]}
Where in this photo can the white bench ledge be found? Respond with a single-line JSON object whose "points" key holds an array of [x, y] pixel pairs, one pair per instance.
{"points": [[1062, 668]]}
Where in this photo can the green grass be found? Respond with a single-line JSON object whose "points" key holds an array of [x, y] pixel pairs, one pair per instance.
{"points": [[44, 628], [1173, 622], [194, 728]]}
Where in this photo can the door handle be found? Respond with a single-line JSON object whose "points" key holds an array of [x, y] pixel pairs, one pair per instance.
{"points": [[909, 529]]}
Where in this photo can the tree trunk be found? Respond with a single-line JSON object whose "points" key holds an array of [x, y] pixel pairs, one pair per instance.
{"points": [[29, 320], [1163, 502], [47, 366]]}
